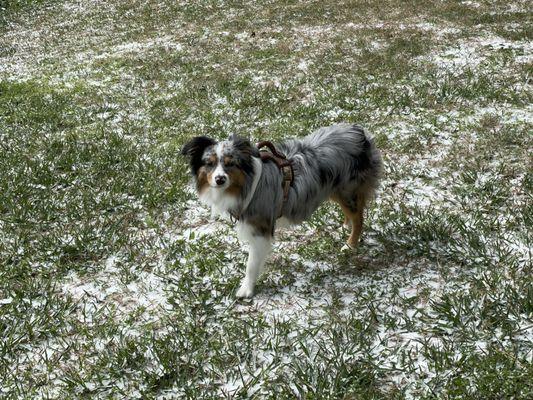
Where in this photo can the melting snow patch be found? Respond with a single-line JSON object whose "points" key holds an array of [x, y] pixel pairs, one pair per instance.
{"points": [[471, 53], [104, 290], [510, 115], [166, 43]]}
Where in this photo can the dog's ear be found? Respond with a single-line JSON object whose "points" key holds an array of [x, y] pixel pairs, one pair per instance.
{"points": [[245, 151], [244, 146], [196, 145], [195, 149]]}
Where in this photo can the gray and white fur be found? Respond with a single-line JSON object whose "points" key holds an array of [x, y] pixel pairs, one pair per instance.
{"points": [[340, 163]]}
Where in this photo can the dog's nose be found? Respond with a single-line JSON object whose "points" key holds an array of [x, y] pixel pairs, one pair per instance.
{"points": [[220, 179]]}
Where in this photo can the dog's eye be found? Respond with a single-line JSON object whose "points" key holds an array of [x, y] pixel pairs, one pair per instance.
{"points": [[229, 164], [210, 163]]}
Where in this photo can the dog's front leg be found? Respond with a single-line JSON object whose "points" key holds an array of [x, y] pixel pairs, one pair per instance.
{"points": [[260, 247]]}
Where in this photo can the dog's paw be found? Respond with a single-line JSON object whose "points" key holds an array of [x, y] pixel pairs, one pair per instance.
{"points": [[245, 291], [347, 248]]}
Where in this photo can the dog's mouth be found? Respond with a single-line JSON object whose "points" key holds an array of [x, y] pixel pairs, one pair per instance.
{"points": [[223, 186]]}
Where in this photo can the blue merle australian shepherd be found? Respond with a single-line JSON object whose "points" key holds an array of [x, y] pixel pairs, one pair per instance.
{"points": [[340, 163]]}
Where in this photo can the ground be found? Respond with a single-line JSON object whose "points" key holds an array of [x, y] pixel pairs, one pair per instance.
{"points": [[116, 283]]}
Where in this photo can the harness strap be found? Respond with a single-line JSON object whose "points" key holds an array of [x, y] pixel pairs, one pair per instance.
{"points": [[283, 163]]}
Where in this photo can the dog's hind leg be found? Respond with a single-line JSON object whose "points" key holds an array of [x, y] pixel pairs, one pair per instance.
{"points": [[346, 210], [351, 217], [353, 208], [356, 219]]}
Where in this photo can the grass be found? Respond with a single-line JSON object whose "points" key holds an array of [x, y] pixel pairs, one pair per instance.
{"points": [[10, 8], [115, 282]]}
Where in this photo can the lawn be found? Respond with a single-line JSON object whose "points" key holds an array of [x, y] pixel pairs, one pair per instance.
{"points": [[116, 283]]}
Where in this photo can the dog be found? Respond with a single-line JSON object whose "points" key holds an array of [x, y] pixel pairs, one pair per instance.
{"points": [[340, 163]]}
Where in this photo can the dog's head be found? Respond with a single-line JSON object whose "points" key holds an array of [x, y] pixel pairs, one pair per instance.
{"points": [[220, 166]]}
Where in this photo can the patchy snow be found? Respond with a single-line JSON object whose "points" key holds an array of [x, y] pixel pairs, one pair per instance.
{"points": [[106, 290], [473, 4], [428, 27], [472, 52], [505, 114], [303, 65], [304, 304]]}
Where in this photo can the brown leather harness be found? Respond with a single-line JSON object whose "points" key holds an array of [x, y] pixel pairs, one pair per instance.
{"points": [[283, 163]]}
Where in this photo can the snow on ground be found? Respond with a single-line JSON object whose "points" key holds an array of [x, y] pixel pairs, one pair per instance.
{"points": [[472, 52], [304, 303], [105, 287]]}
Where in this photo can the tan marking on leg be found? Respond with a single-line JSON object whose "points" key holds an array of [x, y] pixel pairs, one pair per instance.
{"points": [[344, 209], [354, 217], [357, 217], [357, 226]]}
